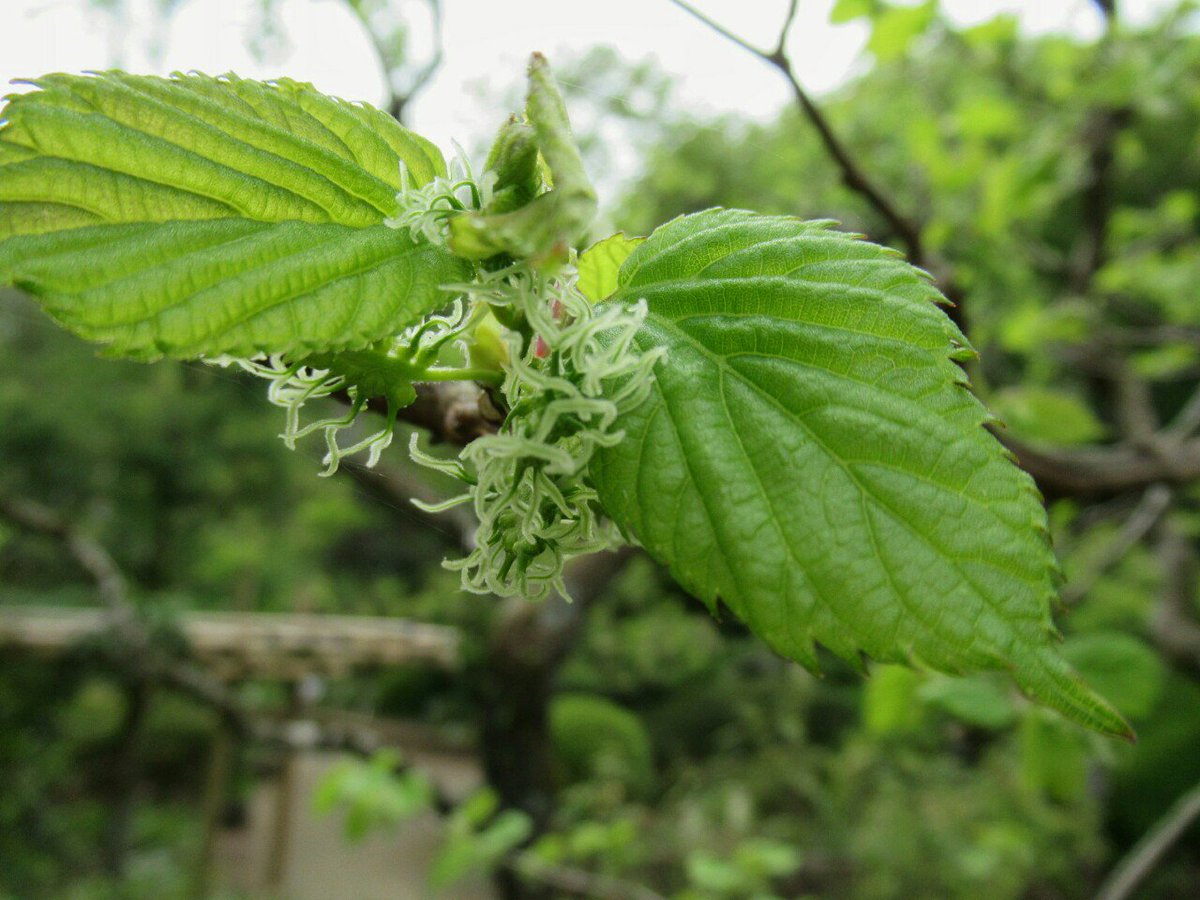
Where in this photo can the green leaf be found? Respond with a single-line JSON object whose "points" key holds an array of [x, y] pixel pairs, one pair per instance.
{"points": [[849, 10], [599, 264], [1054, 761], [1130, 673], [811, 456], [889, 701], [1047, 415], [229, 286], [977, 700], [897, 27], [198, 216]]}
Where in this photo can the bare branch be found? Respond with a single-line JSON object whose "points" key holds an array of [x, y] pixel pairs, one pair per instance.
{"points": [[1093, 471], [425, 75], [1149, 851], [1186, 421], [722, 30], [788, 19], [397, 488], [398, 100], [91, 556], [1174, 628], [1136, 416], [1149, 511], [854, 176], [1104, 126], [453, 412]]}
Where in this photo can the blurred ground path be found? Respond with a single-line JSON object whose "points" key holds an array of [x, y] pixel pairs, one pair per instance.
{"points": [[322, 865]]}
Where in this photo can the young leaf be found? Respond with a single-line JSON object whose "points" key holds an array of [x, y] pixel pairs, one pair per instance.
{"points": [[599, 264], [811, 456], [545, 227], [200, 216]]}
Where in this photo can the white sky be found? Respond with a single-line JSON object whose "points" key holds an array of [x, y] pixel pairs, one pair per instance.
{"points": [[487, 42]]}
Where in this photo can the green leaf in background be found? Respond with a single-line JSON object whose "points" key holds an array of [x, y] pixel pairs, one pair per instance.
{"points": [[1048, 415], [889, 701], [849, 10], [1129, 673], [977, 700], [811, 411], [897, 27], [373, 794], [1054, 760], [600, 263], [198, 216], [478, 837]]}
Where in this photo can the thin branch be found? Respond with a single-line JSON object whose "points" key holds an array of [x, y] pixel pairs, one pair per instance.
{"points": [[1149, 851], [722, 30], [1186, 421], [1108, 9], [398, 101], [91, 556], [1104, 126], [1149, 511], [854, 176], [1098, 471], [425, 75], [1174, 628], [1136, 416], [786, 28], [397, 488]]}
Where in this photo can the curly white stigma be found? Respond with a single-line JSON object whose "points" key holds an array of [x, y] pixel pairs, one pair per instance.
{"points": [[425, 211], [292, 386]]}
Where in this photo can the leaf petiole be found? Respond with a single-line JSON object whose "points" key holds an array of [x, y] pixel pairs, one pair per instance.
{"points": [[493, 377]]}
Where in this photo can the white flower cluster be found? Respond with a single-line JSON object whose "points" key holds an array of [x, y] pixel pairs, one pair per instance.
{"points": [[565, 387]]}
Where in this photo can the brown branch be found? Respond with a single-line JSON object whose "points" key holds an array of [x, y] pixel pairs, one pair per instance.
{"points": [[1174, 628], [788, 18], [397, 488], [1104, 125], [425, 75], [854, 176], [398, 101], [1099, 471], [1186, 421], [453, 412], [526, 646]]}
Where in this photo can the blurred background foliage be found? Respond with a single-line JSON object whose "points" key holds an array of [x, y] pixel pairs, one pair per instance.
{"points": [[1057, 180]]}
